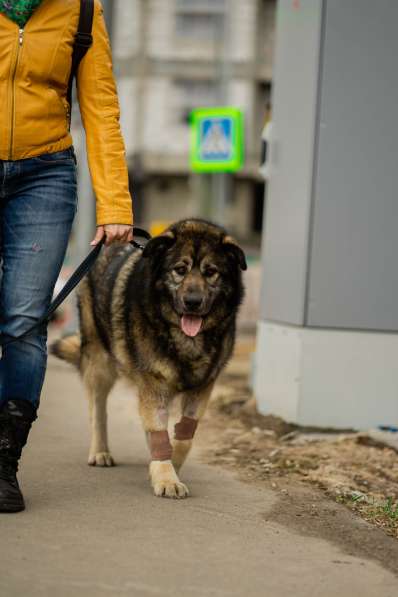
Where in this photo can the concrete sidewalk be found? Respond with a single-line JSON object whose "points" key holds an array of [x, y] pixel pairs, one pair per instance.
{"points": [[99, 532]]}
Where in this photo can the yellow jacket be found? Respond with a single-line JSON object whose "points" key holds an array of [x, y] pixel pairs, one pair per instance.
{"points": [[35, 64]]}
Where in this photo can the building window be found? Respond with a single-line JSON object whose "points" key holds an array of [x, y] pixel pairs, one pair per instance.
{"points": [[198, 27], [190, 94], [199, 19]]}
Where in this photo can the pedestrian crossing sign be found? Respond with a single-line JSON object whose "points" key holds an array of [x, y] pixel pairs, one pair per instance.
{"points": [[216, 140]]}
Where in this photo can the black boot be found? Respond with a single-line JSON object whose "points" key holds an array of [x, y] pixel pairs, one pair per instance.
{"points": [[16, 419]]}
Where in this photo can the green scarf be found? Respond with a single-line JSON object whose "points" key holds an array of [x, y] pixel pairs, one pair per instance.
{"points": [[19, 11]]}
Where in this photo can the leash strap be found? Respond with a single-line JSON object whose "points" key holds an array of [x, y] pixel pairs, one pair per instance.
{"points": [[73, 281]]}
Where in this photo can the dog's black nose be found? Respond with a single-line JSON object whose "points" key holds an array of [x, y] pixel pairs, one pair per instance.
{"points": [[193, 301]]}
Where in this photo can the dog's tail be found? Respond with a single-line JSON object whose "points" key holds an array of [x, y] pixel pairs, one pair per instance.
{"points": [[68, 349]]}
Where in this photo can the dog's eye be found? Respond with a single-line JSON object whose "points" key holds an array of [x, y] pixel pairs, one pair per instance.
{"points": [[210, 271], [181, 270]]}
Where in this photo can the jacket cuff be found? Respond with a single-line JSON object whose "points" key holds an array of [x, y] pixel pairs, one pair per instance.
{"points": [[104, 218]]}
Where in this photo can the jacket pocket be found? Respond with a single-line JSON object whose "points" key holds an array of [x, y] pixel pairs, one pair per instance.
{"points": [[60, 107]]}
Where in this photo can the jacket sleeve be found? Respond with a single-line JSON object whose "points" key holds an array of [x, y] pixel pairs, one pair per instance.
{"points": [[99, 108]]}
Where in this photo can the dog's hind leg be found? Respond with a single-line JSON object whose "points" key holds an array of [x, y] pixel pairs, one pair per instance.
{"points": [[194, 405], [154, 416], [99, 375]]}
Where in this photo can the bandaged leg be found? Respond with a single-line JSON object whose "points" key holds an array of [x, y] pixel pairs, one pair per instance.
{"points": [[194, 406], [159, 445], [163, 476], [186, 428]]}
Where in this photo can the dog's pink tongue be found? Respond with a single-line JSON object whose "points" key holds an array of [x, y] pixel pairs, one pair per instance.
{"points": [[190, 325]]}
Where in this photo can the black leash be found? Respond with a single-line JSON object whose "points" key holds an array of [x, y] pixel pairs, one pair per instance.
{"points": [[73, 281]]}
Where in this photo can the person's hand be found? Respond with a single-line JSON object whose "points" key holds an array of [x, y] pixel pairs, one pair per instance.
{"points": [[113, 232]]}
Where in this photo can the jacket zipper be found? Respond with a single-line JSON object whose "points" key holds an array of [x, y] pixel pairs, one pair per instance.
{"points": [[14, 72]]}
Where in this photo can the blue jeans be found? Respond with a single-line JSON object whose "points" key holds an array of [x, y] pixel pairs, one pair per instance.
{"points": [[38, 202]]}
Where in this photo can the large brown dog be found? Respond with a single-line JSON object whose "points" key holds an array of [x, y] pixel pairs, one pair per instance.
{"points": [[164, 318]]}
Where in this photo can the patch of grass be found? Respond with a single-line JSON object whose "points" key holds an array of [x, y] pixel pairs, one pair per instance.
{"points": [[351, 498], [383, 514], [388, 509]]}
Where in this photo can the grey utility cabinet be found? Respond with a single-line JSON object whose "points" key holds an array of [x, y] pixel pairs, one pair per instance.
{"points": [[327, 344], [331, 240]]}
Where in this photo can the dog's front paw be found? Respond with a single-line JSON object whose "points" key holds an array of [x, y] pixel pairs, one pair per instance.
{"points": [[101, 459], [171, 490], [165, 482]]}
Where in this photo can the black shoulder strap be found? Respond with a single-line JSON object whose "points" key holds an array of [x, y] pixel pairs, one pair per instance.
{"points": [[83, 41]]}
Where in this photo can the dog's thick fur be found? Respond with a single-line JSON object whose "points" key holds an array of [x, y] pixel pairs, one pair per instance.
{"points": [[131, 307]]}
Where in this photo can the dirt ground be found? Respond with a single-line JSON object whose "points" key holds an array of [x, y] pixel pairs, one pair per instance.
{"points": [[317, 474]]}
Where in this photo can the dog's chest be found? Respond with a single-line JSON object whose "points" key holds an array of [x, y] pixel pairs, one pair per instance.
{"points": [[194, 362], [181, 364]]}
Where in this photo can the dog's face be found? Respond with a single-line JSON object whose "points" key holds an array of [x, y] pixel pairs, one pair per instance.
{"points": [[199, 266]]}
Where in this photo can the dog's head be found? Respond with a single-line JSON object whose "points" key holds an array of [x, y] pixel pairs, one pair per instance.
{"points": [[198, 265]]}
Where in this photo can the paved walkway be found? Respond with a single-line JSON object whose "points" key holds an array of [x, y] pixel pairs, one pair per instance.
{"points": [[99, 532]]}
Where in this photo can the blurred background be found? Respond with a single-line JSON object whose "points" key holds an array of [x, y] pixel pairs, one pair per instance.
{"points": [[170, 57]]}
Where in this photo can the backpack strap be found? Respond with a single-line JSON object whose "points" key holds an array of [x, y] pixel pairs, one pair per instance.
{"points": [[83, 41]]}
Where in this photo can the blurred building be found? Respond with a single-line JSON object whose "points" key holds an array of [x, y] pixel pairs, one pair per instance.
{"points": [[171, 56]]}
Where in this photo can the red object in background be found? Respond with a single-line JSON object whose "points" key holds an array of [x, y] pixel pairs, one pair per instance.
{"points": [[296, 4]]}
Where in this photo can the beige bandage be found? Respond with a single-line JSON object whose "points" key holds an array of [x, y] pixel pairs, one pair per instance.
{"points": [[185, 429], [160, 445]]}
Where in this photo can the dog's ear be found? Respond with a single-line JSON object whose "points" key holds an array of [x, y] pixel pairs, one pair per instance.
{"points": [[159, 244], [231, 246]]}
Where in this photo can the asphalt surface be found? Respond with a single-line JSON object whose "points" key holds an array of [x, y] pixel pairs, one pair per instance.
{"points": [[96, 532]]}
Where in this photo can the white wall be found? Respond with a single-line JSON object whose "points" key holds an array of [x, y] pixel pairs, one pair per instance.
{"points": [[126, 25], [127, 94], [161, 23], [326, 378], [242, 28]]}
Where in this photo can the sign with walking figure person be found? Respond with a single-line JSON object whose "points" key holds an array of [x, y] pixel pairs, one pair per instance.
{"points": [[216, 140]]}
